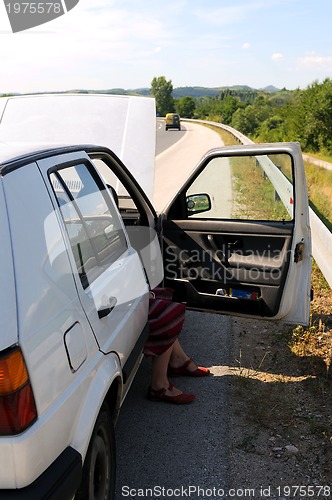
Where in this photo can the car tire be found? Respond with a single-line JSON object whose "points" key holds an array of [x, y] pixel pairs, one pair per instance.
{"points": [[99, 469]]}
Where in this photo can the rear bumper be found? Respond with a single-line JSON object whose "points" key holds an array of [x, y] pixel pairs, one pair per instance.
{"points": [[59, 482], [178, 126]]}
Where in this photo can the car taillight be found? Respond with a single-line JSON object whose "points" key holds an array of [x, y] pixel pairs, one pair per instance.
{"points": [[17, 404]]}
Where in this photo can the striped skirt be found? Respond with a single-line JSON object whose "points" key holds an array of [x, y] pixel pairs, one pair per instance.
{"points": [[165, 320]]}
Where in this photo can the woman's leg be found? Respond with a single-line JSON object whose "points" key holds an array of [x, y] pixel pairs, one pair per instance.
{"points": [[181, 364], [178, 357], [159, 379]]}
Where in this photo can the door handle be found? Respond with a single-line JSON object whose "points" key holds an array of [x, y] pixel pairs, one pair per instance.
{"points": [[106, 310], [219, 254]]}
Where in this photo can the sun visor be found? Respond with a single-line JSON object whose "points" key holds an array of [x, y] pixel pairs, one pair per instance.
{"points": [[124, 124]]}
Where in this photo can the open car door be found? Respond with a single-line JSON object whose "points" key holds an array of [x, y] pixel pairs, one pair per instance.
{"points": [[236, 237]]}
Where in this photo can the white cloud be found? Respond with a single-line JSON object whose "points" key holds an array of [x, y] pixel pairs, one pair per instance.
{"points": [[277, 56], [81, 48], [312, 60]]}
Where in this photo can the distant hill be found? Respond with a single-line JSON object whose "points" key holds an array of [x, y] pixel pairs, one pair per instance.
{"points": [[178, 92], [119, 91], [194, 92], [271, 89]]}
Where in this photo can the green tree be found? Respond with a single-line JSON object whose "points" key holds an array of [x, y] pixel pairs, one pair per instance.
{"points": [[309, 117], [228, 107], [247, 120], [185, 106], [323, 115], [162, 90], [271, 130], [204, 106]]}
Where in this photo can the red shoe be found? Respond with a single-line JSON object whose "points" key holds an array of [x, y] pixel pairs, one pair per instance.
{"points": [[160, 395], [200, 371]]}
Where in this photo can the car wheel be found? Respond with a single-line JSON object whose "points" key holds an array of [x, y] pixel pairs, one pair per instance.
{"points": [[98, 475]]}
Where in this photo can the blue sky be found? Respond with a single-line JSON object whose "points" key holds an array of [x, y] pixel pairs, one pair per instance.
{"points": [[103, 44]]}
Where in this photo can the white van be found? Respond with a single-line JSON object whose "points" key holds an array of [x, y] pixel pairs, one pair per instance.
{"points": [[76, 265]]}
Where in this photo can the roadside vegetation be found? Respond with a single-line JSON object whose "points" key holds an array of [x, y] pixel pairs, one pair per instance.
{"points": [[319, 182], [251, 184]]}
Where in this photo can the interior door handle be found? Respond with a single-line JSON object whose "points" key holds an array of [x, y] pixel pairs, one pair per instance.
{"points": [[219, 254], [106, 310], [212, 242]]}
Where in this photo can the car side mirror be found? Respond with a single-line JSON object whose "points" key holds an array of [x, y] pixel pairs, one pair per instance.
{"points": [[198, 203]]}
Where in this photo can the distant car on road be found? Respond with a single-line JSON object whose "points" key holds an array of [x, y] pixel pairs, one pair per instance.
{"points": [[172, 121]]}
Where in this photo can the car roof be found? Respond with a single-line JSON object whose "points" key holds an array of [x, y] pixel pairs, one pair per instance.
{"points": [[8, 152]]}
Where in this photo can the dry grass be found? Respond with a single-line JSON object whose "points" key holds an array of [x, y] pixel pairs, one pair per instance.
{"points": [[319, 182]]}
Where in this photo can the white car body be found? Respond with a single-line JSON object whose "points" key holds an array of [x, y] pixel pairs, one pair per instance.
{"points": [[73, 357]]}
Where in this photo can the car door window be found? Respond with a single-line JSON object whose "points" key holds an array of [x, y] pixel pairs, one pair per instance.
{"points": [[257, 187], [137, 216], [92, 223], [130, 213]]}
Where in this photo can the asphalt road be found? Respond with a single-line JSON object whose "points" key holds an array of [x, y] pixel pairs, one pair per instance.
{"points": [[176, 160], [167, 446], [179, 451], [165, 140]]}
